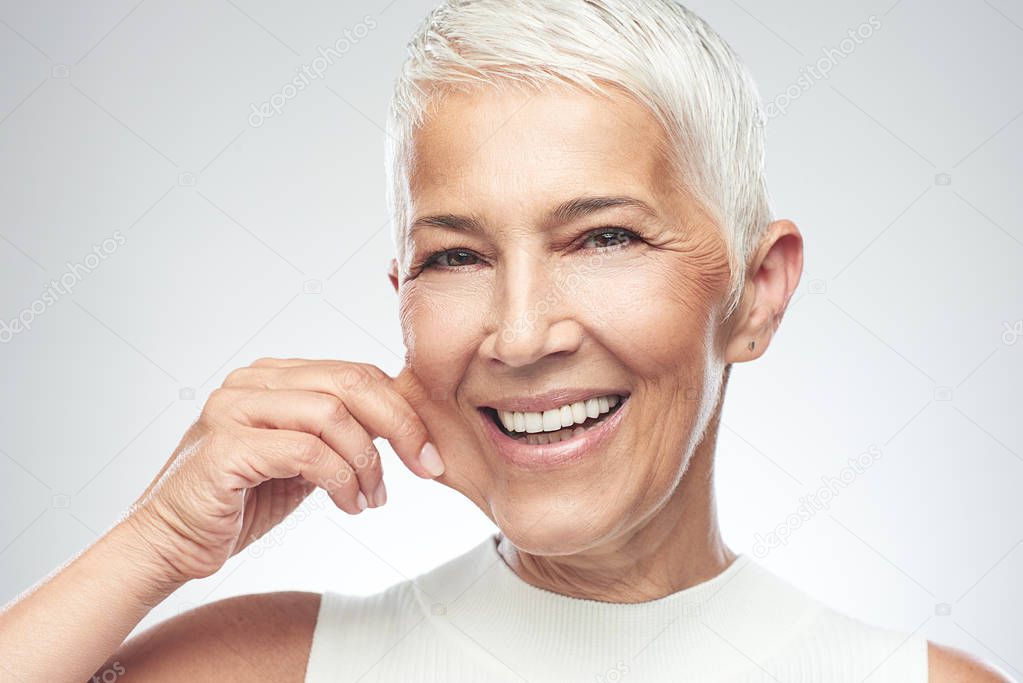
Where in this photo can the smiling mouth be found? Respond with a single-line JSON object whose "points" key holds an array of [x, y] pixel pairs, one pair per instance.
{"points": [[556, 425]]}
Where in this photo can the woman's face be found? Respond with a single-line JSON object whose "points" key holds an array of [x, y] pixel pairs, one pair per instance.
{"points": [[509, 304]]}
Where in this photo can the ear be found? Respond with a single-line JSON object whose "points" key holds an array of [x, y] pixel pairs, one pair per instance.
{"points": [[392, 274], [771, 280]]}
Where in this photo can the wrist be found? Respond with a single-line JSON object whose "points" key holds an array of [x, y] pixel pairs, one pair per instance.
{"points": [[151, 575]]}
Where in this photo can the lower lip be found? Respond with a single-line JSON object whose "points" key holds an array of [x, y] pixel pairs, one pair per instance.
{"points": [[567, 452]]}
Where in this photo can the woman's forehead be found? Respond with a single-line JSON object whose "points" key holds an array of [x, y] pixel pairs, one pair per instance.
{"points": [[526, 146]]}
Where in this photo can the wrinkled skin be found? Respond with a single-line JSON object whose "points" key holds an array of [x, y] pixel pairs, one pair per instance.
{"points": [[533, 305]]}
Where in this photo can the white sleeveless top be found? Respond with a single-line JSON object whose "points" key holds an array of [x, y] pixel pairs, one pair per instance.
{"points": [[473, 619]]}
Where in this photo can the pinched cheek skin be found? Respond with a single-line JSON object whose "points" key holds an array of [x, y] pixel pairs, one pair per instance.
{"points": [[441, 326]]}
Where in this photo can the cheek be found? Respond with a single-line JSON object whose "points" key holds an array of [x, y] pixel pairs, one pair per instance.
{"points": [[441, 327], [652, 314]]}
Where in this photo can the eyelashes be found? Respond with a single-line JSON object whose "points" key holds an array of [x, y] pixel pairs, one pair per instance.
{"points": [[458, 255], [620, 236], [460, 258]]}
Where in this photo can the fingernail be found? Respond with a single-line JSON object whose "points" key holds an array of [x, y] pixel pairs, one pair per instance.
{"points": [[361, 502], [430, 459], [380, 495]]}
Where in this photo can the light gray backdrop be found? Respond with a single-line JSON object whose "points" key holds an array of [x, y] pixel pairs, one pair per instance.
{"points": [[198, 236]]}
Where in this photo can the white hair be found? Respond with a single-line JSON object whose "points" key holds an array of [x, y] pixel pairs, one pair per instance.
{"points": [[657, 51]]}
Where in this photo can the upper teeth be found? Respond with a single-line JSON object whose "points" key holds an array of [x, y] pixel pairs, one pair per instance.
{"points": [[556, 418]]}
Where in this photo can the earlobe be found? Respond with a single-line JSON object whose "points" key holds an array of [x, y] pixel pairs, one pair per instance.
{"points": [[773, 277], [749, 336]]}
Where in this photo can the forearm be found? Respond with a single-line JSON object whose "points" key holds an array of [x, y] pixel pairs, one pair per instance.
{"points": [[67, 627]]}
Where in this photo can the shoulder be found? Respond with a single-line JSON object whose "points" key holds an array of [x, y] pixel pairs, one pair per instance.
{"points": [[247, 638], [357, 631], [815, 639], [902, 656], [947, 665], [878, 652]]}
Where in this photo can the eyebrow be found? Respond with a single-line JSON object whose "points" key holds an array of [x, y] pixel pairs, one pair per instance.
{"points": [[567, 211]]}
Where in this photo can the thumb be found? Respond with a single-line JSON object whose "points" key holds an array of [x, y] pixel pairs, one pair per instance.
{"points": [[412, 389], [408, 384]]}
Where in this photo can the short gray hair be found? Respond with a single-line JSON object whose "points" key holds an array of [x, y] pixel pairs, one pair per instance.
{"points": [[658, 51]]}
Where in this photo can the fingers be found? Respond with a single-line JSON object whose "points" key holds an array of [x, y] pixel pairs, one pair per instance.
{"points": [[282, 454], [268, 362], [367, 392], [321, 415], [408, 386]]}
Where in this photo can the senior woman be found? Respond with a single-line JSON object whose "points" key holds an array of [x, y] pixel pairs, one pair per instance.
{"points": [[584, 249]]}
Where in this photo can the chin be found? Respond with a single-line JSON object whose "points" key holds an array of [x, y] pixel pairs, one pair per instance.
{"points": [[559, 526]]}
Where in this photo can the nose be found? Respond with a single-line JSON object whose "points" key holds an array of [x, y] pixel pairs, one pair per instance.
{"points": [[533, 316]]}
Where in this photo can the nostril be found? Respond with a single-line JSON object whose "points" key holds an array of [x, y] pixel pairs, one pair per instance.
{"points": [[526, 340]]}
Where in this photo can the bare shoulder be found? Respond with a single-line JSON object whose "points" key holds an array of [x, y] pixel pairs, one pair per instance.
{"points": [[247, 638], [948, 665]]}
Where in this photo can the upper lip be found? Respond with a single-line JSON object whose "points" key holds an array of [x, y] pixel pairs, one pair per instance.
{"points": [[550, 399]]}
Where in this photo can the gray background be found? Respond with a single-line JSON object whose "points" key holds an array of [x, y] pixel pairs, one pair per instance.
{"points": [[902, 169]]}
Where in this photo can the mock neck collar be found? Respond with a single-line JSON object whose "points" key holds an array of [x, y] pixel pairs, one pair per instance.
{"points": [[690, 595], [537, 634]]}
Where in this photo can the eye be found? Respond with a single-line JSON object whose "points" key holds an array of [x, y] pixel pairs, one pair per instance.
{"points": [[452, 259], [607, 238]]}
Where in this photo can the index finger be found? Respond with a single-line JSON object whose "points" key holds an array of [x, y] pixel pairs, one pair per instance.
{"points": [[369, 395]]}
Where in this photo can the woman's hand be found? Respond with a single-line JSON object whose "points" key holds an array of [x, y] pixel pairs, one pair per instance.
{"points": [[271, 434], [265, 440]]}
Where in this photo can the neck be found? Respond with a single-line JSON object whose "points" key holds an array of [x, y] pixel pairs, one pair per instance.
{"points": [[678, 546]]}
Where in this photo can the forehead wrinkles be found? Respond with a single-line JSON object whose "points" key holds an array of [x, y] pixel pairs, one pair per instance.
{"points": [[614, 147], [478, 120]]}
